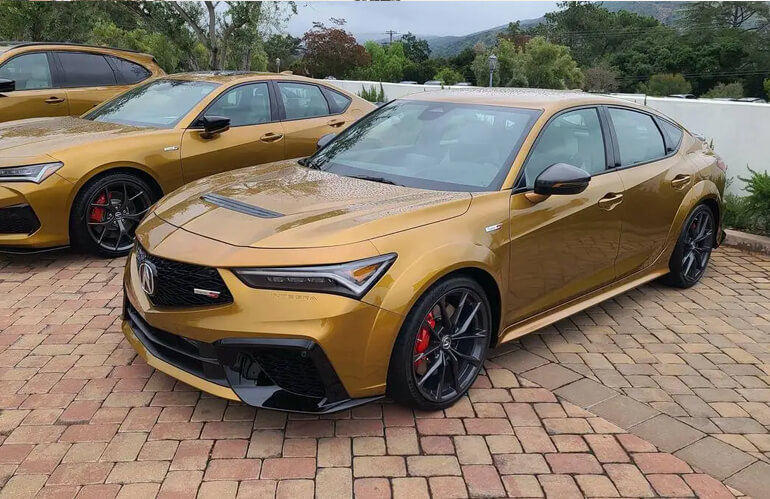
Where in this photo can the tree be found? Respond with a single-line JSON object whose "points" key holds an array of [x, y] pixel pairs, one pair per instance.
{"points": [[744, 15], [722, 90], [387, 63], [666, 84], [601, 79], [448, 76], [415, 49], [48, 21], [284, 47], [331, 51], [766, 84], [548, 65]]}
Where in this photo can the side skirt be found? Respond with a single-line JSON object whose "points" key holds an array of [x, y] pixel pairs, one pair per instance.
{"points": [[576, 305]]}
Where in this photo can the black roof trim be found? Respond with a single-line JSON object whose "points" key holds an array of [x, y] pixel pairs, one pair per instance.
{"points": [[68, 44]]}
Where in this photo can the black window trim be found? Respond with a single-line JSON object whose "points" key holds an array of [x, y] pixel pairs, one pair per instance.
{"points": [[329, 99], [197, 124], [53, 69], [320, 87], [117, 73], [655, 118], [609, 152], [60, 68]]}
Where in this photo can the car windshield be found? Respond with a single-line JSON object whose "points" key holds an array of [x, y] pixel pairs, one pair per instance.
{"points": [[160, 103], [430, 145]]}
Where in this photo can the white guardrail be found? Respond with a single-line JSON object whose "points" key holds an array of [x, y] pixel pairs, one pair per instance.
{"points": [[740, 131]]}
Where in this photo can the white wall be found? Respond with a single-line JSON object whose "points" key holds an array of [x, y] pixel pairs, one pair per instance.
{"points": [[740, 130]]}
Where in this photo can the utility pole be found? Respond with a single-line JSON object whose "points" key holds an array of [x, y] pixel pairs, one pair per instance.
{"points": [[391, 33]]}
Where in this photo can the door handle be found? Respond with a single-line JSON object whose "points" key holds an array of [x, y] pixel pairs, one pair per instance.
{"points": [[271, 137], [680, 181], [610, 201], [53, 100], [335, 123]]}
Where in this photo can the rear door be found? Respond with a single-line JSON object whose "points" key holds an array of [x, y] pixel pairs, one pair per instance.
{"points": [[255, 136], [564, 246], [656, 178], [36, 93], [88, 78], [307, 115]]}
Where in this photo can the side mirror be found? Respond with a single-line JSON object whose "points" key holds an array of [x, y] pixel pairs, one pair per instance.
{"points": [[561, 178], [214, 125], [325, 139], [7, 85]]}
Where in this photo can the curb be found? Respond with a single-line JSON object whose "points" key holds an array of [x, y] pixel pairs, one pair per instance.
{"points": [[747, 242]]}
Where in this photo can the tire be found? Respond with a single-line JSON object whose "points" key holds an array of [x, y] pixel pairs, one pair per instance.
{"points": [[415, 365], [693, 249], [106, 212]]}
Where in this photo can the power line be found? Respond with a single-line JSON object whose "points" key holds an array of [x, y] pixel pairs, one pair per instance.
{"points": [[391, 33]]}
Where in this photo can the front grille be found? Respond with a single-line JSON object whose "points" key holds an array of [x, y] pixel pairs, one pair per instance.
{"points": [[291, 369], [195, 357], [175, 283], [19, 219]]}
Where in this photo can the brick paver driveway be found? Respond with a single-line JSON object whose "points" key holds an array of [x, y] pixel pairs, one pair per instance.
{"points": [[656, 393]]}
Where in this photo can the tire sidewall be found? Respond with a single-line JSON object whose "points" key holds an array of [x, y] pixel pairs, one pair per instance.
{"points": [[677, 277]]}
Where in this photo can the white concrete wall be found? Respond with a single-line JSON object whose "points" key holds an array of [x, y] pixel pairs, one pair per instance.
{"points": [[740, 131]]}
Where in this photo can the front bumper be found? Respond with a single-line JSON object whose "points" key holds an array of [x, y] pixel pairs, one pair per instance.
{"points": [[284, 351], [33, 215]]}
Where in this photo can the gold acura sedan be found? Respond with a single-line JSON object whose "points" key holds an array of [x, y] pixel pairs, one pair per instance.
{"points": [[88, 181], [436, 227]]}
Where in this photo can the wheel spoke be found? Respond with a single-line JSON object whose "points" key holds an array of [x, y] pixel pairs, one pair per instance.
{"points": [[445, 319], [136, 196], [136, 216], [480, 333], [470, 358], [469, 319], [424, 354], [690, 259], [430, 372], [455, 370], [459, 309], [125, 196], [440, 386]]}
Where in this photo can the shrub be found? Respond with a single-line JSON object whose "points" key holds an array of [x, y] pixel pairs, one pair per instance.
{"points": [[666, 84], [730, 90], [372, 94], [750, 213]]}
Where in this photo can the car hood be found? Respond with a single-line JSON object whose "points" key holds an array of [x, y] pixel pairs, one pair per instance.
{"points": [[284, 205], [45, 136]]}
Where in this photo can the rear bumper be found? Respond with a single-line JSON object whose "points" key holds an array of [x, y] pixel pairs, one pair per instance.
{"points": [[274, 373]]}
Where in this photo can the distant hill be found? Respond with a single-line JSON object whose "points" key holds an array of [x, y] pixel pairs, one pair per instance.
{"points": [[447, 46]]}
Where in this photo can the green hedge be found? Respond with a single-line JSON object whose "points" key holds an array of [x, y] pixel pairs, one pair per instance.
{"points": [[750, 213]]}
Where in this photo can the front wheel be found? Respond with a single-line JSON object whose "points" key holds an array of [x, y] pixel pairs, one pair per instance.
{"points": [[106, 212], [442, 345], [693, 249]]}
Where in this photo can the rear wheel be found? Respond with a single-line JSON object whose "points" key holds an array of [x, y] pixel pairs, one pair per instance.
{"points": [[106, 212], [693, 249], [442, 345]]}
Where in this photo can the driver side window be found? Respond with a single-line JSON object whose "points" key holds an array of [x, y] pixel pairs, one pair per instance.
{"points": [[574, 138], [30, 71], [244, 105]]}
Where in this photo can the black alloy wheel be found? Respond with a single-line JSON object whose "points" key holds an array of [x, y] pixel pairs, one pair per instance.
{"points": [[693, 249], [108, 212], [442, 346]]}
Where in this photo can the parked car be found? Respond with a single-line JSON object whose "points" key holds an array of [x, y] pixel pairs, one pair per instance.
{"points": [[65, 79], [463, 84], [434, 82], [683, 96], [408, 82], [436, 227], [88, 181]]}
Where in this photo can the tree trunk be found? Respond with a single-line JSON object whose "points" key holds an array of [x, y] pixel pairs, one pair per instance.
{"points": [[214, 58]]}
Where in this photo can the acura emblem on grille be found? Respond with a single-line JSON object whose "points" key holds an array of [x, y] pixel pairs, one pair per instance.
{"points": [[147, 275]]}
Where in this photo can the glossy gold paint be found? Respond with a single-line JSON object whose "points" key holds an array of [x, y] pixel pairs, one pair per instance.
{"points": [[72, 101], [545, 257], [168, 157]]}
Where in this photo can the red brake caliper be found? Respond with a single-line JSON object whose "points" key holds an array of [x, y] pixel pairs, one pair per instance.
{"points": [[98, 212], [423, 338]]}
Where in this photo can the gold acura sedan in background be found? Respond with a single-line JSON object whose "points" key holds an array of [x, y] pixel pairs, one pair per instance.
{"points": [[89, 180], [65, 79], [434, 228]]}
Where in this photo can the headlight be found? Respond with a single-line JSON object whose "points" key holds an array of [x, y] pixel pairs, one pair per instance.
{"points": [[29, 173], [351, 279]]}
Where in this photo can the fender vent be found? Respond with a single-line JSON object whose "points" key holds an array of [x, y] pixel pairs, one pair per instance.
{"points": [[232, 204]]}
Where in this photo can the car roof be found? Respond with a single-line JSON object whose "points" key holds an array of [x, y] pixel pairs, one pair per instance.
{"points": [[529, 98], [236, 76], [8, 45]]}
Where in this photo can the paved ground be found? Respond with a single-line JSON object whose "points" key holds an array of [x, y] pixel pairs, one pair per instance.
{"points": [[676, 387]]}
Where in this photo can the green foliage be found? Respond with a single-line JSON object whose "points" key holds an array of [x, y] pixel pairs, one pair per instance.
{"points": [[448, 76], [388, 63], [666, 84], [372, 94], [750, 213], [601, 79], [766, 85], [722, 90], [283, 47], [415, 49]]}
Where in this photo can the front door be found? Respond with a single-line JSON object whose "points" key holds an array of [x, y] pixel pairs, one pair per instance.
{"points": [[565, 245], [35, 95], [656, 178], [254, 136]]}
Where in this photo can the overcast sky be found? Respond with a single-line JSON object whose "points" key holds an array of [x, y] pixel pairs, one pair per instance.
{"points": [[433, 17]]}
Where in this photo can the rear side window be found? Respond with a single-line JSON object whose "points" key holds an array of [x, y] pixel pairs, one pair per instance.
{"points": [[639, 139], [673, 134], [29, 71], [337, 102], [85, 70], [302, 100], [127, 72]]}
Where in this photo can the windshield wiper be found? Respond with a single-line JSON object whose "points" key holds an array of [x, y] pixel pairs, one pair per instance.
{"points": [[375, 179], [313, 165]]}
